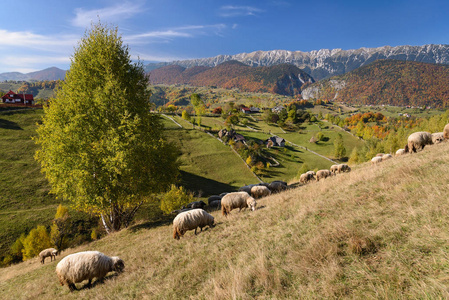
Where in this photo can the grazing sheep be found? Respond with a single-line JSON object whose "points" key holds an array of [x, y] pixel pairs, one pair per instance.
{"points": [[386, 156], [400, 152], [52, 252], [260, 191], [334, 169], [222, 195], [321, 174], [213, 198], [247, 188], [191, 220], [304, 178], [418, 140], [379, 154], [312, 174], [216, 204], [237, 200], [196, 204], [376, 159], [277, 186], [86, 265], [344, 168], [446, 132], [437, 137]]}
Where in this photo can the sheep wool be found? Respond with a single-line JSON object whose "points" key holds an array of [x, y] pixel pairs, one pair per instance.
{"points": [[52, 252], [376, 159], [191, 220], [260, 191], [86, 266], [237, 200], [418, 140], [321, 174]]}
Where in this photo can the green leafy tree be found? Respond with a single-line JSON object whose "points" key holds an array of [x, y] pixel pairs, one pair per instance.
{"points": [[339, 147], [185, 115], [17, 249], [100, 147], [36, 241], [175, 198], [198, 105]]}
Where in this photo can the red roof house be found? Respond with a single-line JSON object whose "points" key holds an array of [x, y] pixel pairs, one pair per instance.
{"points": [[11, 97]]}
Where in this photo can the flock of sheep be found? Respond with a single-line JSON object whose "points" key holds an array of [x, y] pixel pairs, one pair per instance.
{"points": [[87, 265]]}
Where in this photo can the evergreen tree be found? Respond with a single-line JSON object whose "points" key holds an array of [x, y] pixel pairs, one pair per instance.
{"points": [[101, 148]]}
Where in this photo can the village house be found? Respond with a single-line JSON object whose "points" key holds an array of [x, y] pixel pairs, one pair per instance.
{"points": [[11, 97], [275, 141]]}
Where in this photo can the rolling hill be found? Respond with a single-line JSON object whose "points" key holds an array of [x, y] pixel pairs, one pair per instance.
{"points": [[280, 79], [390, 82], [52, 73], [376, 232]]}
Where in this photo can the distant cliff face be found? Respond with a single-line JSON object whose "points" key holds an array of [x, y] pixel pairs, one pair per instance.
{"points": [[324, 63], [390, 82], [281, 79]]}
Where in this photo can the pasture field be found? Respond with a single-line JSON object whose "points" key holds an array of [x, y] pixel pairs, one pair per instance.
{"points": [[375, 233]]}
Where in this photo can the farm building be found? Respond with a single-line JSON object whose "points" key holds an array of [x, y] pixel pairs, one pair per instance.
{"points": [[275, 141], [11, 97]]}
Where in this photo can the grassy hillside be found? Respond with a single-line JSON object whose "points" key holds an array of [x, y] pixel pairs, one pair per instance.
{"points": [[377, 232]]}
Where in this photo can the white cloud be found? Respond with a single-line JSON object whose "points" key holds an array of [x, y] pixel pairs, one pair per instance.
{"points": [[237, 11], [126, 10], [27, 39], [188, 31]]}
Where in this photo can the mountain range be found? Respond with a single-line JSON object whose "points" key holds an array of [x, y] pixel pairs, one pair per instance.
{"points": [[52, 73], [284, 79], [323, 63]]}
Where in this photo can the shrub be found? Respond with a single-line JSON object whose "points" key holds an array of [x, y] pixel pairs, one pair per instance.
{"points": [[36, 241], [175, 198]]}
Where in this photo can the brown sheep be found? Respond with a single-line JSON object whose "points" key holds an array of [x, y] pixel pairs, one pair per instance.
{"points": [[321, 174]]}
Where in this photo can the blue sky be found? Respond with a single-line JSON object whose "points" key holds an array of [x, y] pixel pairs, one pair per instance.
{"points": [[36, 34]]}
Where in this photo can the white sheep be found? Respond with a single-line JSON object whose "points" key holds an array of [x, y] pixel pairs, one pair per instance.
{"points": [[446, 132], [400, 152], [304, 178], [191, 220], [321, 174], [52, 252], [386, 156], [418, 140], [437, 137], [237, 200], [260, 191], [334, 169], [311, 173], [376, 159], [86, 266]]}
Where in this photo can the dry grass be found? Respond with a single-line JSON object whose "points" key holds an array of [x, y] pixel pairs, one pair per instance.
{"points": [[377, 232]]}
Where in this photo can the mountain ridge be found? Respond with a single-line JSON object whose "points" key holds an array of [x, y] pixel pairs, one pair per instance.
{"points": [[52, 73], [323, 63]]}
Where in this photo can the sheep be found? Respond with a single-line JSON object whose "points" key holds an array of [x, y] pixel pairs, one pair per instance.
{"points": [[321, 174], [260, 191], [277, 186], [52, 252], [446, 132], [196, 204], [312, 174], [344, 168], [237, 200], [418, 140], [376, 159], [247, 188], [213, 198], [386, 156], [400, 152], [437, 137], [191, 220], [86, 265], [216, 204], [334, 169], [304, 178]]}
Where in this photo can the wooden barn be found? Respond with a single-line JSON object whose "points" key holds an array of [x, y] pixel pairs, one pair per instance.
{"points": [[11, 97]]}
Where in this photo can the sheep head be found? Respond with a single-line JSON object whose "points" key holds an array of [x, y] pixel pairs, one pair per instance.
{"points": [[251, 202], [118, 265]]}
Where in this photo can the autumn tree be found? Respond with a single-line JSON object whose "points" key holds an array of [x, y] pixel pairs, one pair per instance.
{"points": [[198, 105], [100, 147], [36, 241], [175, 198], [60, 228]]}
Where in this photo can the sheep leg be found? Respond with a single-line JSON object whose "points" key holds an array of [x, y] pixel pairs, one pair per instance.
{"points": [[72, 287], [195, 231], [89, 283]]}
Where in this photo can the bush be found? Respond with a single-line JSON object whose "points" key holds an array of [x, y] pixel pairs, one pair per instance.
{"points": [[36, 241], [175, 198]]}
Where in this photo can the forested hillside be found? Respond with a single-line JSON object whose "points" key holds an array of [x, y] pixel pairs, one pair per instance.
{"points": [[390, 82], [282, 79]]}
